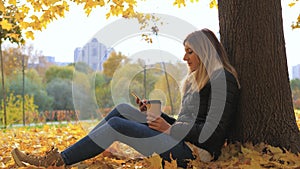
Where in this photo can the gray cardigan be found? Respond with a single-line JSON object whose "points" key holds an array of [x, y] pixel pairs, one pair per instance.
{"points": [[206, 116]]}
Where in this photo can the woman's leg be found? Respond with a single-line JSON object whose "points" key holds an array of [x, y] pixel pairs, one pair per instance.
{"points": [[134, 134], [148, 141], [83, 149], [131, 113], [124, 111], [88, 147]]}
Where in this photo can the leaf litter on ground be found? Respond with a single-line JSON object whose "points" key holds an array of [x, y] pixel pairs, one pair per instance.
{"points": [[38, 140]]}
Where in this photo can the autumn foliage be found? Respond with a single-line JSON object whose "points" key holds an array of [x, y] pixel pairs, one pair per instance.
{"points": [[19, 19], [38, 140]]}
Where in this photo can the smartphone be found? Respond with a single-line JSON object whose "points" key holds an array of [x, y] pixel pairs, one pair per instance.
{"points": [[136, 97]]}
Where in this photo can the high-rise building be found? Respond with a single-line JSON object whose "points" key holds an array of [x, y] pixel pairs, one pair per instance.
{"points": [[93, 53], [296, 72]]}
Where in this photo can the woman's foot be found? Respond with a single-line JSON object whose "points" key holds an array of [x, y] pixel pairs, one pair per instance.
{"points": [[52, 158]]}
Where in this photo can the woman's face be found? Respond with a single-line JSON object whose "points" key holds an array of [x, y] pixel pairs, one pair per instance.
{"points": [[191, 58]]}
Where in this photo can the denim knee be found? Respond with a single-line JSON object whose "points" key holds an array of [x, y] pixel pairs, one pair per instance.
{"points": [[122, 106], [118, 111], [131, 113], [115, 123]]}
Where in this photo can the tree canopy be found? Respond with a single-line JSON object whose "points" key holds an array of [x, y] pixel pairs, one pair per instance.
{"points": [[23, 18]]}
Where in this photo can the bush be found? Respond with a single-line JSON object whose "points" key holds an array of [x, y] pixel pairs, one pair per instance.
{"points": [[14, 110]]}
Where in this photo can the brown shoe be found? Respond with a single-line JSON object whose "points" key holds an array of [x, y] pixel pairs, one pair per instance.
{"points": [[52, 158]]}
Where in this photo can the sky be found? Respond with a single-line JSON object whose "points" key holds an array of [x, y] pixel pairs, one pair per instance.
{"points": [[65, 34]]}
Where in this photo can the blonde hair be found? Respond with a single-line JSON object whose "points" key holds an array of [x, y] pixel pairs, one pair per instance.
{"points": [[212, 56]]}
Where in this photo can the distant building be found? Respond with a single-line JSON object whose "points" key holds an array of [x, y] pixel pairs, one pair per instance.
{"points": [[296, 72], [46, 61], [62, 63], [93, 53], [49, 59]]}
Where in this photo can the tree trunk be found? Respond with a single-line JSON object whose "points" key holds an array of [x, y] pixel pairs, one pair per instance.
{"points": [[3, 85], [252, 34]]}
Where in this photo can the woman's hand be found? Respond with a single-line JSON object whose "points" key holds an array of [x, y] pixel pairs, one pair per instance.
{"points": [[158, 123], [142, 104]]}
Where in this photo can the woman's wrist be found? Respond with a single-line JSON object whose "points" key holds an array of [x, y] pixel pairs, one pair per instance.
{"points": [[168, 131]]}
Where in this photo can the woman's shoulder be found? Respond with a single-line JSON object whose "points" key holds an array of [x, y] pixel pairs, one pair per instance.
{"points": [[223, 76]]}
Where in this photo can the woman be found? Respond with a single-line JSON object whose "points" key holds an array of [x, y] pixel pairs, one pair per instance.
{"points": [[210, 98]]}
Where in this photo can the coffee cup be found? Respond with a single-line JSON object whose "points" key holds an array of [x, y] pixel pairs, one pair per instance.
{"points": [[154, 106]]}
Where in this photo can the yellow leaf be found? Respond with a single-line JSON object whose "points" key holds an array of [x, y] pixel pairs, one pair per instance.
{"points": [[24, 9], [24, 25], [13, 2], [6, 25], [292, 4], [46, 127], [34, 18], [179, 3], [274, 150], [148, 16], [2, 7], [107, 15], [131, 2], [154, 162], [14, 35], [170, 165], [245, 150], [102, 3], [87, 9], [118, 161], [213, 4], [66, 5]]}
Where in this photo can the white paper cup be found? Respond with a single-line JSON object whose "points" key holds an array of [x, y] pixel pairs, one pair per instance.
{"points": [[154, 106]]}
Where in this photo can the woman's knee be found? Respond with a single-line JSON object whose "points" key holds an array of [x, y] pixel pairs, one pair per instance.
{"points": [[124, 126], [122, 106], [117, 110], [116, 122], [126, 110]]}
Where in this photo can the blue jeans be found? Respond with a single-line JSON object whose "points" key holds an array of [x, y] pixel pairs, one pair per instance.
{"points": [[128, 125]]}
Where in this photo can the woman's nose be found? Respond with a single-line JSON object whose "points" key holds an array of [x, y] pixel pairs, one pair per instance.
{"points": [[185, 57]]}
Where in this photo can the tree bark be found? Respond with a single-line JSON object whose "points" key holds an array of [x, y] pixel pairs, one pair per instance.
{"points": [[252, 34], [3, 84]]}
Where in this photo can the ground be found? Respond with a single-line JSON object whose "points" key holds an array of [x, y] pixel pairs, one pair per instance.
{"points": [[37, 140]]}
